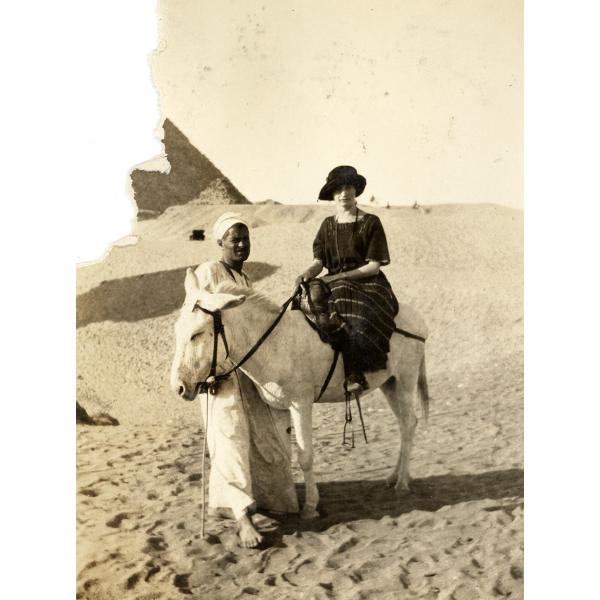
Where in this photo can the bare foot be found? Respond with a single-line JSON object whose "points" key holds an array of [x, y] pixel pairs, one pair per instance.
{"points": [[249, 537]]}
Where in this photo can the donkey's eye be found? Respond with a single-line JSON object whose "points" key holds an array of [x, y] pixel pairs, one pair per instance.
{"points": [[195, 336]]}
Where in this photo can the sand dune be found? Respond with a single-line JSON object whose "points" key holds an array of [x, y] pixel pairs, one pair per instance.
{"points": [[459, 535]]}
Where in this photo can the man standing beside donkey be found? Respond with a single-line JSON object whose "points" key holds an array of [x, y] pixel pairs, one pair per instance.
{"points": [[248, 441]]}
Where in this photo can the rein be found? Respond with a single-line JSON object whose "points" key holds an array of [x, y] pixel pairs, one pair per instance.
{"points": [[212, 381]]}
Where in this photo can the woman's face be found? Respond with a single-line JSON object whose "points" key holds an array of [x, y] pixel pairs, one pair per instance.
{"points": [[345, 196]]}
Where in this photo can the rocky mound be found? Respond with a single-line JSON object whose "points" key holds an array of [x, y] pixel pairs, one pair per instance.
{"points": [[190, 176]]}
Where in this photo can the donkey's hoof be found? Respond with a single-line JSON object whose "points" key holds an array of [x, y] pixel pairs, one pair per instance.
{"points": [[308, 513], [391, 480], [402, 488]]}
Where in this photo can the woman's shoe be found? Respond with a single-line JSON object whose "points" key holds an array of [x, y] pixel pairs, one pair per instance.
{"points": [[356, 383]]}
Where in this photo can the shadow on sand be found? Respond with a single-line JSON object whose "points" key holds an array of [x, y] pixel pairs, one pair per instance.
{"points": [[144, 296], [344, 501]]}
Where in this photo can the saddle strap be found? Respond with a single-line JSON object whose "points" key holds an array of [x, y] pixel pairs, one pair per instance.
{"points": [[336, 355], [408, 334]]}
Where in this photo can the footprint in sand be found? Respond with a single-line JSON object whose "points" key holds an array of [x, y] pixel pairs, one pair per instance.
{"points": [[132, 581], [155, 544], [117, 520], [345, 545], [181, 582], [165, 466], [87, 585], [250, 590], [152, 570], [129, 455], [177, 490], [297, 576], [156, 524], [516, 572]]}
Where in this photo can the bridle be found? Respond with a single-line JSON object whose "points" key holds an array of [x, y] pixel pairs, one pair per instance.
{"points": [[211, 383]]}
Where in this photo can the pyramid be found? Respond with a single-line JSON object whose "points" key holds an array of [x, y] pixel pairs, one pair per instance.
{"points": [[191, 176]]}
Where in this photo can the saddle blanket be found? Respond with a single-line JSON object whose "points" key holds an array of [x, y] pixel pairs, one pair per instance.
{"points": [[407, 319]]}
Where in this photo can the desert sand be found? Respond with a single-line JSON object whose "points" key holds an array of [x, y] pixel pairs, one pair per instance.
{"points": [[458, 535]]}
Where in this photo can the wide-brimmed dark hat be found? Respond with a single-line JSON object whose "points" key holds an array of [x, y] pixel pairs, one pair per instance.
{"points": [[343, 175]]}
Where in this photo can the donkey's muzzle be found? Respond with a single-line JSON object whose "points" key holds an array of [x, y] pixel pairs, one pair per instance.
{"points": [[185, 393]]}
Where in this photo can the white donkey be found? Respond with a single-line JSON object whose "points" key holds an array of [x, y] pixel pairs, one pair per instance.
{"points": [[289, 368]]}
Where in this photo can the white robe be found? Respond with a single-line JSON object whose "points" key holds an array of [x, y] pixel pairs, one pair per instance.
{"points": [[248, 441]]}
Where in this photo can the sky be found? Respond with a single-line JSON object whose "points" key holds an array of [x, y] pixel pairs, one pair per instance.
{"points": [[423, 97]]}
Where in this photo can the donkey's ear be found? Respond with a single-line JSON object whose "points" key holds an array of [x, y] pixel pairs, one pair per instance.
{"points": [[190, 283], [221, 301]]}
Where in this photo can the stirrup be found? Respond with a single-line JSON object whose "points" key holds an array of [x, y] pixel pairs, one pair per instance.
{"points": [[348, 420]]}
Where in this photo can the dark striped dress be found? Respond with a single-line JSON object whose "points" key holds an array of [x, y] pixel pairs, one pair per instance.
{"points": [[367, 306]]}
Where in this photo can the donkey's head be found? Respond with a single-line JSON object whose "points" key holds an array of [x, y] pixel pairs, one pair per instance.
{"points": [[195, 334]]}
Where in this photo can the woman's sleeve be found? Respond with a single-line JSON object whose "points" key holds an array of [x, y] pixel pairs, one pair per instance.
{"points": [[377, 248], [319, 244]]}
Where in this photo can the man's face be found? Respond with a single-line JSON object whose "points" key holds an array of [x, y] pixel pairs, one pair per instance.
{"points": [[235, 244]]}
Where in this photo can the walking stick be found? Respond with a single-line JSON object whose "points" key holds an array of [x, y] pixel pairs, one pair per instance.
{"points": [[204, 471]]}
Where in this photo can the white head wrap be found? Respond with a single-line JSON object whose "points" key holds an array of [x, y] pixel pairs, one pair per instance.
{"points": [[224, 222]]}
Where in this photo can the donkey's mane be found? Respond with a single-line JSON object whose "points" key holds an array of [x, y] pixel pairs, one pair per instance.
{"points": [[253, 297]]}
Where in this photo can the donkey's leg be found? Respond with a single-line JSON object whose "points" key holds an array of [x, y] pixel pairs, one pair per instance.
{"points": [[400, 398], [408, 433], [302, 420], [389, 391]]}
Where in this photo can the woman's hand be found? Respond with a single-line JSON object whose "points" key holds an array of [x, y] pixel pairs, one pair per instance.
{"points": [[332, 278], [313, 270], [298, 280]]}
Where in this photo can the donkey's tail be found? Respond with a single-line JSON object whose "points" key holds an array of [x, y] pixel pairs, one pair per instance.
{"points": [[423, 390]]}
